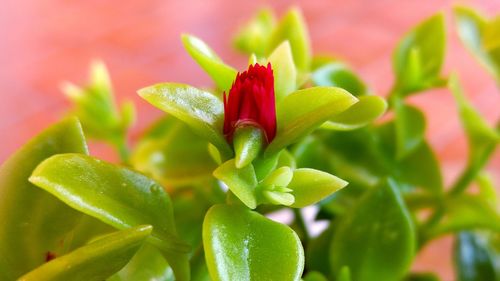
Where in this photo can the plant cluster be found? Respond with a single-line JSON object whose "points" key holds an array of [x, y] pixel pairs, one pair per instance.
{"points": [[189, 200]]}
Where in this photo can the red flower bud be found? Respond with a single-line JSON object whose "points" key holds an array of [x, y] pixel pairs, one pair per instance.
{"points": [[251, 102]]}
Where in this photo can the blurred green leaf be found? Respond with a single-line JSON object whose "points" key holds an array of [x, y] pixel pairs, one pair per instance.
{"points": [[365, 111], [147, 264], [222, 74], [95, 261], [344, 274], [95, 106], [304, 110], [479, 36], [117, 196], [487, 190], [314, 276], [292, 27], [421, 277], [419, 57], [173, 154], [243, 245], [200, 110], [254, 37], [410, 128], [337, 74], [309, 186], [473, 259], [465, 212], [33, 222], [285, 74], [242, 182], [368, 233], [317, 252]]}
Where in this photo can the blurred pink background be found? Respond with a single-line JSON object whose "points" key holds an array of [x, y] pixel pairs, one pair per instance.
{"points": [[46, 42]]}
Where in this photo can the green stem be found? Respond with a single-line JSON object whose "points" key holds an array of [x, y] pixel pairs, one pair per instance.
{"points": [[300, 223]]}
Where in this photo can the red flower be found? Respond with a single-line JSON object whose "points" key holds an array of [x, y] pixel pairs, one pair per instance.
{"points": [[251, 102]]}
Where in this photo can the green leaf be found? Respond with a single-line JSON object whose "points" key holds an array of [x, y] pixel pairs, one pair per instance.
{"points": [[417, 276], [200, 110], [222, 74], [33, 222], [419, 56], [344, 274], [410, 128], [244, 245], [242, 182], [254, 36], [337, 74], [248, 142], [480, 135], [95, 261], [171, 153], [117, 196], [147, 264], [315, 276], [292, 27], [304, 110], [379, 224], [465, 212], [309, 186], [285, 74], [367, 110], [472, 29], [473, 259]]}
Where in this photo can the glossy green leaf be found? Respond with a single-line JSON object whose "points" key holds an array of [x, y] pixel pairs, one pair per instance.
{"points": [[480, 135], [117, 196], [466, 212], [222, 74], [33, 222], [254, 36], [200, 110], [337, 74], [472, 28], [243, 245], [419, 56], [285, 74], [365, 111], [309, 186], [410, 128], [472, 259], [171, 153], [248, 143], [379, 224], [292, 27], [242, 182], [147, 264], [304, 110], [95, 261]]}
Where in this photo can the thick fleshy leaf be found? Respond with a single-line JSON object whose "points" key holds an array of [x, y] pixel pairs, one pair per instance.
{"points": [[243, 245], [473, 259], [26, 239], [173, 154], [200, 110], [337, 74], [292, 27], [304, 110], [419, 56], [379, 224], [242, 182], [309, 186], [365, 111], [222, 74], [480, 135], [285, 74], [117, 196], [96, 261], [466, 212], [248, 142], [410, 128], [147, 264], [474, 30], [255, 36]]}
